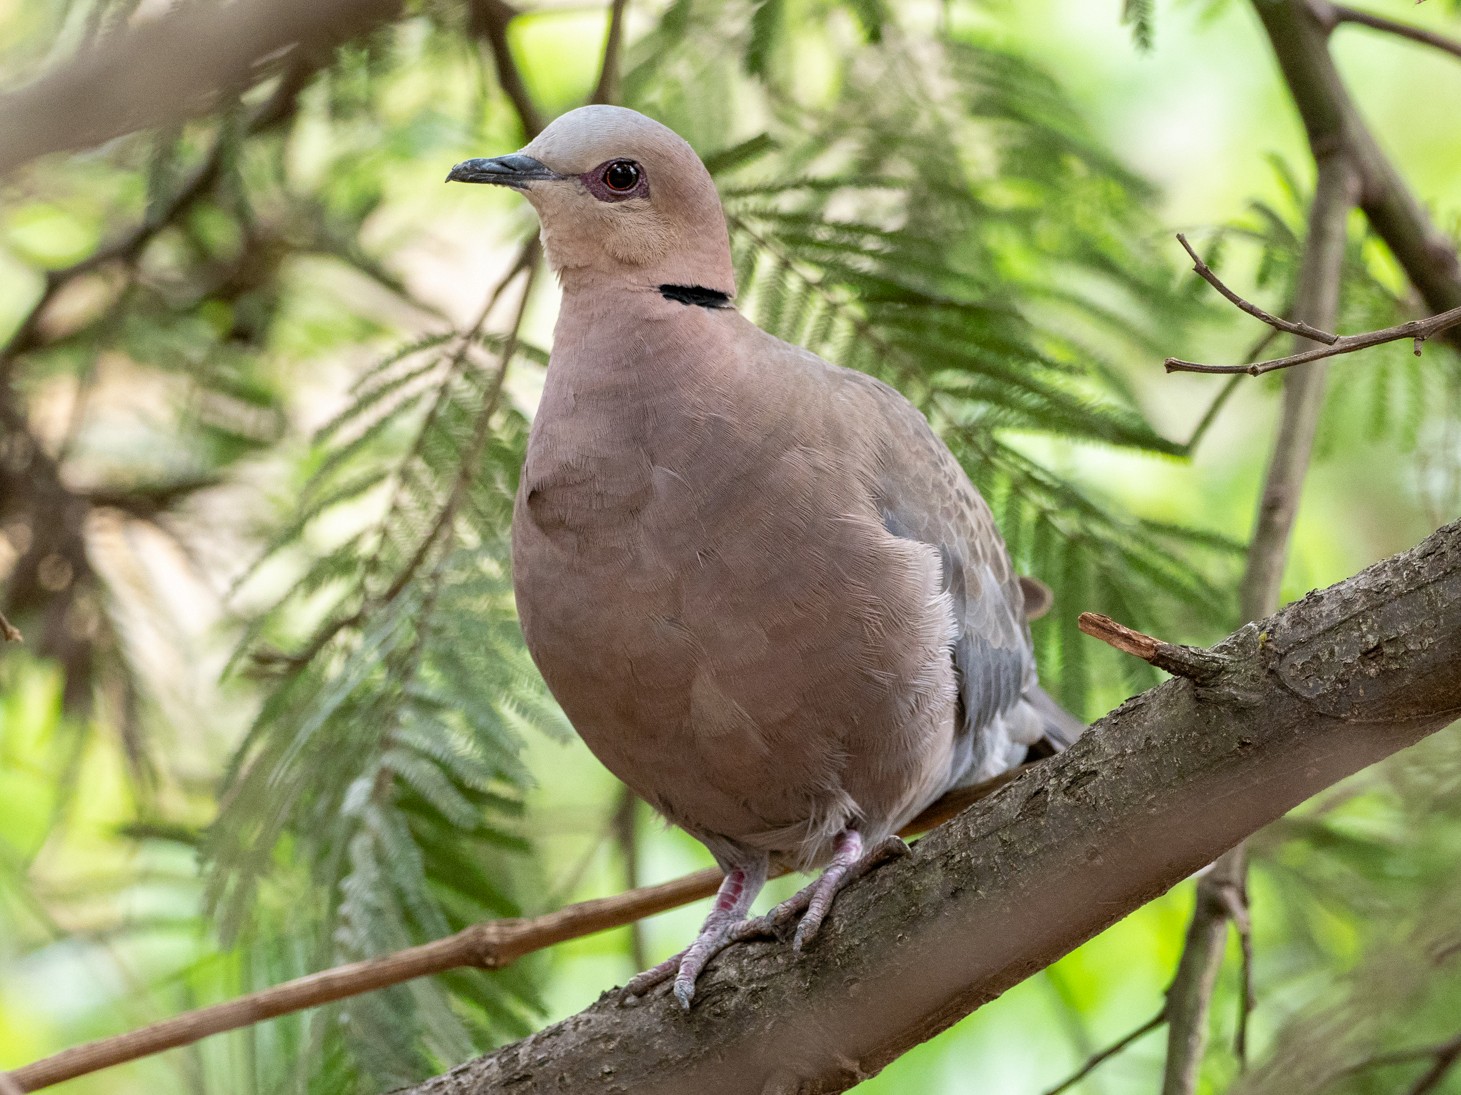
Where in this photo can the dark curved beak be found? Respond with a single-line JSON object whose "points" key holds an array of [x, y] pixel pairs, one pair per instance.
{"points": [[515, 171]]}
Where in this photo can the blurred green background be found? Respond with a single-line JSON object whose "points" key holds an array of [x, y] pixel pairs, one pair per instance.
{"points": [[272, 712]]}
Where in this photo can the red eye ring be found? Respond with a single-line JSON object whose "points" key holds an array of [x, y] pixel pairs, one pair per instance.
{"points": [[621, 176]]}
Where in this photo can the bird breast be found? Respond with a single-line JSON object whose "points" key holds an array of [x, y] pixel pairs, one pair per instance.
{"points": [[712, 598]]}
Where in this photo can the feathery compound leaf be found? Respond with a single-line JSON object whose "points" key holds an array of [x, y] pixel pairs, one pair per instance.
{"points": [[399, 723]]}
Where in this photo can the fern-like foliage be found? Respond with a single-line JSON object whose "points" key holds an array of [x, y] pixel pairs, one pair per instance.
{"points": [[382, 771]]}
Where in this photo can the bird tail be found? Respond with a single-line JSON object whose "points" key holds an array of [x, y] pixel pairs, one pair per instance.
{"points": [[1061, 727]]}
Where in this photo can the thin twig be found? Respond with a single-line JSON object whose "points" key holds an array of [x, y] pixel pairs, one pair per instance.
{"points": [[607, 89], [1102, 1056], [1235, 900], [491, 945], [1194, 663], [490, 19], [1190, 995], [1419, 330], [626, 835], [8, 631], [1291, 327], [1331, 15]]}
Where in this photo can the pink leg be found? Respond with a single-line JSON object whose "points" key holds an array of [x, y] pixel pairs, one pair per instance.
{"points": [[732, 902], [812, 903]]}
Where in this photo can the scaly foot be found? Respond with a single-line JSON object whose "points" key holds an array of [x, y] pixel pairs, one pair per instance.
{"points": [[808, 907], [732, 901]]}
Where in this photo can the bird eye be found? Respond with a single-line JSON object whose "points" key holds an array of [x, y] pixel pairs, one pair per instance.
{"points": [[621, 175]]}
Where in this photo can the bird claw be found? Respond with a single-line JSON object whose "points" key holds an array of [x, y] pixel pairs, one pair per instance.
{"points": [[687, 966], [641, 983], [799, 918]]}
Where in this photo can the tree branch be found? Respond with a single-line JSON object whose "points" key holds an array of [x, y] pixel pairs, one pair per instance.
{"points": [[1204, 271], [1181, 661], [1155, 790], [1095, 1060], [1190, 997], [1221, 892], [1426, 254], [1331, 15], [1418, 330], [489, 20], [1333, 683], [491, 945], [174, 67], [607, 89]]}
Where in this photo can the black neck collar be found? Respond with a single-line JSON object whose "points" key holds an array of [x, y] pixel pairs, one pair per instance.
{"points": [[696, 294]]}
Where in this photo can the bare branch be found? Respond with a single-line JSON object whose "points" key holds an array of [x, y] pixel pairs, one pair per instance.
{"points": [[1316, 297], [1291, 327], [1235, 900], [607, 89], [491, 945], [1180, 661], [1222, 892], [1417, 330], [1331, 15], [1190, 996], [174, 67], [1102, 1056], [489, 20], [1426, 254]]}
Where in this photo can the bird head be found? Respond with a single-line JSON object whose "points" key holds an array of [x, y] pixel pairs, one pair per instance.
{"points": [[619, 196]]}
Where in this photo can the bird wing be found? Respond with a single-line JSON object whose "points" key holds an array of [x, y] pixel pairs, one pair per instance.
{"points": [[924, 494]]}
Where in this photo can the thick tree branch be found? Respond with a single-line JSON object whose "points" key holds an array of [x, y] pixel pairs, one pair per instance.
{"points": [[1154, 791], [174, 67]]}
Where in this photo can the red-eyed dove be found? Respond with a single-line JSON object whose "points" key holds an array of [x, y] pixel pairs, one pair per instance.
{"points": [[763, 591]]}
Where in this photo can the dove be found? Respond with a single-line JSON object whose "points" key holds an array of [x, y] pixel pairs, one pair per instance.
{"points": [[763, 591]]}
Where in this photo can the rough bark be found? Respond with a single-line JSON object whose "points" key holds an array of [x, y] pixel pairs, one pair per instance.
{"points": [[1155, 790]]}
